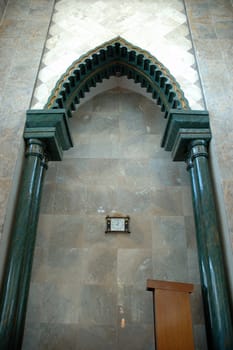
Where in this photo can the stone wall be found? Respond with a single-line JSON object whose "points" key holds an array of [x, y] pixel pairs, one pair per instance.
{"points": [[76, 27], [84, 282], [3, 4], [160, 27], [22, 36]]}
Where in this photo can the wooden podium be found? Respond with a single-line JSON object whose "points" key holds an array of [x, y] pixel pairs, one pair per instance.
{"points": [[172, 313]]}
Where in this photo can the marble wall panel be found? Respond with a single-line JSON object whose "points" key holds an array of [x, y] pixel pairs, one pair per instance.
{"points": [[32, 337], [57, 336], [84, 231], [200, 337], [98, 305], [22, 37], [190, 232], [96, 281], [134, 265], [141, 337], [169, 249], [101, 266], [134, 305]]}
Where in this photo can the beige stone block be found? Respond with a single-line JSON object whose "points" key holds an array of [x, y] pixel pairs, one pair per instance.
{"points": [[133, 267], [193, 266], [48, 198], [88, 170], [169, 254], [197, 306], [5, 185], [228, 195], [190, 232], [142, 337], [134, 306], [101, 265], [97, 305], [187, 201], [200, 337], [69, 198]]}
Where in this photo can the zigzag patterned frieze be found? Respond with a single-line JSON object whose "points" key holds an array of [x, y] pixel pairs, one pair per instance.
{"points": [[118, 58]]}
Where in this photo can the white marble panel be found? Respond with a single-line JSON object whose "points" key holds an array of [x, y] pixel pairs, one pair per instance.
{"points": [[159, 27]]}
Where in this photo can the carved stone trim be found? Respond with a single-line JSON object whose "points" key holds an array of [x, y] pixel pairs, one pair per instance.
{"points": [[117, 58], [50, 127], [181, 131]]}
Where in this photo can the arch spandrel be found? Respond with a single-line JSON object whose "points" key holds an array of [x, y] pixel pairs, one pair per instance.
{"points": [[117, 58]]}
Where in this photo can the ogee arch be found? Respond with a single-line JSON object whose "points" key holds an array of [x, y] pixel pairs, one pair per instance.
{"points": [[117, 58]]}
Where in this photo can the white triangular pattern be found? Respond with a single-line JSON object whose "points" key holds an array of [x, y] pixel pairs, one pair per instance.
{"points": [[159, 27]]}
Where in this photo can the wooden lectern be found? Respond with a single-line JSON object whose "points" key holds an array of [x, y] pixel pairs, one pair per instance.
{"points": [[172, 313]]}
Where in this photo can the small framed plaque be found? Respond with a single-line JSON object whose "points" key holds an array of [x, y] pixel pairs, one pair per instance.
{"points": [[117, 224]]}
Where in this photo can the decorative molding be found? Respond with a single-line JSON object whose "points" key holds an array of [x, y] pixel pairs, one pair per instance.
{"points": [[198, 148], [35, 148], [52, 128], [117, 58], [182, 128]]}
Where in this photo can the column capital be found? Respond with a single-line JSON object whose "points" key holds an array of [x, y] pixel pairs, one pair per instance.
{"points": [[196, 148], [51, 127], [35, 147], [182, 129]]}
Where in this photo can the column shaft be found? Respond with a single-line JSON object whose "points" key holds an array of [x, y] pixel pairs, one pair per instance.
{"points": [[213, 275], [16, 279]]}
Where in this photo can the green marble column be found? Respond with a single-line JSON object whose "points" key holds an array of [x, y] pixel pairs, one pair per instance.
{"points": [[17, 273], [46, 132], [213, 276]]}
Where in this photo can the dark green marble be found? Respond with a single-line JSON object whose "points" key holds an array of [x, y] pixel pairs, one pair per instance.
{"points": [[47, 135], [213, 276], [182, 127], [17, 273], [52, 127], [186, 136]]}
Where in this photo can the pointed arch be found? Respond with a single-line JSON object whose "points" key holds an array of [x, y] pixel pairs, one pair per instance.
{"points": [[117, 58]]}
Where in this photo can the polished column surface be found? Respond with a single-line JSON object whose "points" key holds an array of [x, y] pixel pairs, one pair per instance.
{"points": [[213, 276], [18, 266], [173, 321]]}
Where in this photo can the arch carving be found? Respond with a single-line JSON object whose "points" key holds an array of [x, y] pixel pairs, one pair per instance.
{"points": [[47, 134], [117, 58]]}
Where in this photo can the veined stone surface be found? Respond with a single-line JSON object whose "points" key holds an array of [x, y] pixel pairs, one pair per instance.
{"points": [[84, 282], [159, 27]]}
